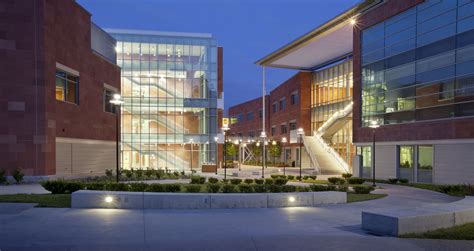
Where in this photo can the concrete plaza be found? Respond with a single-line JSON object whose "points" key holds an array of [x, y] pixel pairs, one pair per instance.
{"points": [[335, 227]]}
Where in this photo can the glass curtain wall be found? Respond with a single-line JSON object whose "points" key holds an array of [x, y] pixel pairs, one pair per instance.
{"points": [[169, 86], [419, 65], [331, 91]]}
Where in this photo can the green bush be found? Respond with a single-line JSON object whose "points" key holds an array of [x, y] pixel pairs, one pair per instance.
{"points": [[149, 173], [274, 188], [275, 176], [197, 180], [235, 181], [346, 175], [269, 181], [113, 186], [138, 173], [99, 186], [245, 188], [213, 180], [3, 177], [355, 181], [248, 181], [192, 188], [62, 187], [228, 188], [363, 189], [213, 187], [137, 187], [305, 177], [17, 175], [303, 189], [259, 188], [128, 173], [224, 181], [156, 188], [342, 188], [159, 174], [321, 188], [280, 181], [313, 177], [291, 177], [176, 173], [109, 173], [336, 180], [298, 177], [288, 188], [259, 181], [403, 181], [392, 181], [171, 188]]}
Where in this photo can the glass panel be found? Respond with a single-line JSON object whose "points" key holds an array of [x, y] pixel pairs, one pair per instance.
{"points": [[406, 159], [425, 164]]}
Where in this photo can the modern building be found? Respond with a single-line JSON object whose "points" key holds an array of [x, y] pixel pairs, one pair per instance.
{"points": [[173, 99], [57, 73]]}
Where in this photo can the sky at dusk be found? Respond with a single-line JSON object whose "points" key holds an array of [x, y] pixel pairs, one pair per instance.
{"points": [[247, 29]]}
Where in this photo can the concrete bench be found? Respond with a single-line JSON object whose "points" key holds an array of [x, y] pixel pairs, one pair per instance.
{"points": [[145, 200], [396, 222]]}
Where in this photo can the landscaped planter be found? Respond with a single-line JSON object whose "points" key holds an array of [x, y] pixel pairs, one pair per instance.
{"points": [[145, 200]]}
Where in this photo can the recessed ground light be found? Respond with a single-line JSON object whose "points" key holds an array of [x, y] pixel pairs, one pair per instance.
{"points": [[109, 199], [291, 199]]}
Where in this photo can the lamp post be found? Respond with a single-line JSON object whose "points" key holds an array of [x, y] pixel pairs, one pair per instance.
{"points": [[117, 102], [283, 140], [374, 125], [225, 128], [263, 135], [217, 157], [191, 143], [300, 133]]}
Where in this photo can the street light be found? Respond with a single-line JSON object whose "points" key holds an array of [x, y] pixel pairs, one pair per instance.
{"points": [[217, 157], [374, 125], [225, 128], [263, 135], [191, 143], [284, 141], [117, 102], [300, 133]]}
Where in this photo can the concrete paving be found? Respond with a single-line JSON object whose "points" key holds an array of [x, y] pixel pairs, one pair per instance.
{"points": [[31, 188], [335, 227]]}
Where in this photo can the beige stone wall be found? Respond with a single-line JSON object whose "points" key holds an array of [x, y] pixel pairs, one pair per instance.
{"points": [[453, 163]]}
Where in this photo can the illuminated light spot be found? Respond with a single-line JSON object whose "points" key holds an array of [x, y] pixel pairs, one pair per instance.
{"points": [[291, 199], [109, 199]]}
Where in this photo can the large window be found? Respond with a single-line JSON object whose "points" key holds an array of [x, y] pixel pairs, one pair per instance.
{"points": [[108, 96], [414, 64], [294, 98], [249, 116], [282, 104], [416, 163], [67, 87], [425, 164], [406, 158], [366, 153]]}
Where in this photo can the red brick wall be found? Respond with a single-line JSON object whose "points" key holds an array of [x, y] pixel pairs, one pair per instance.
{"points": [[62, 31], [254, 125], [430, 130]]}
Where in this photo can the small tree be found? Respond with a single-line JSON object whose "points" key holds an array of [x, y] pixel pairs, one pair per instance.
{"points": [[256, 150], [231, 150], [275, 151]]}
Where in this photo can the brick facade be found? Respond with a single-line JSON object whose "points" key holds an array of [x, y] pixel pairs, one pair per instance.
{"points": [[34, 36], [459, 128]]}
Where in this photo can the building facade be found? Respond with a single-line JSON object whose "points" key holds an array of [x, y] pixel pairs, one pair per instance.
{"points": [[172, 95], [54, 85], [413, 71]]}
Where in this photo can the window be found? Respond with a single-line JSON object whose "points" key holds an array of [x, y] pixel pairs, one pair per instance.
{"points": [[260, 114], [406, 158], [108, 107], [283, 129], [250, 134], [274, 107], [294, 98], [67, 86], [292, 126], [425, 164], [282, 104], [250, 116], [366, 153], [273, 130], [240, 118]]}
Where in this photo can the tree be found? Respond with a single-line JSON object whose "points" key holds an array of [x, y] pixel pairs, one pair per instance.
{"points": [[231, 150], [256, 150], [275, 150]]}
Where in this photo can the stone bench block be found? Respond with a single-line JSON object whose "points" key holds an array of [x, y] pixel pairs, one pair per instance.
{"points": [[330, 197], [239, 200], [290, 199], [176, 201], [97, 199]]}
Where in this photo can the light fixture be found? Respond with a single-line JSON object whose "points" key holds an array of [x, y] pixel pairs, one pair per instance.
{"points": [[274, 142], [216, 138], [300, 131], [374, 124], [109, 199], [284, 140], [116, 99], [291, 199], [352, 21]]}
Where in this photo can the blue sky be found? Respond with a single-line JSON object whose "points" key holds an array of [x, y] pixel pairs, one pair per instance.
{"points": [[247, 29]]}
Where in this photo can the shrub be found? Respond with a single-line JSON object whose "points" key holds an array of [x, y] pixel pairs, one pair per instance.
{"points": [[259, 181], [228, 188], [62, 187], [95, 186], [176, 173], [192, 188], [336, 180], [346, 175], [342, 188], [139, 173], [313, 177], [363, 189], [248, 181], [403, 181], [269, 181], [298, 177], [288, 188], [137, 187], [274, 188], [109, 173], [322, 188], [245, 188], [198, 180], [280, 181], [291, 177], [171, 188], [259, 188], [128, 173], [157, 188], [3, 177], [355, 181], [305, 177], [116, 186], [275, 176], [392, 181], [149, 172], [213, 180], [17, 175], [224, 181], [303, 189], [213, 187], [235, 181]]}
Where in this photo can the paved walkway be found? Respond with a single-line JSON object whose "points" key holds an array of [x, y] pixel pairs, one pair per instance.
{"points": [[335, 227]]}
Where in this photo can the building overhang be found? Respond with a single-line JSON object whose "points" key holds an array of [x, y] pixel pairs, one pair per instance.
{"points": [[329, 42]]}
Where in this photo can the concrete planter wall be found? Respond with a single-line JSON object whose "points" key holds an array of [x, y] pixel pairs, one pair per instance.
{"points": [[144, 200]]}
